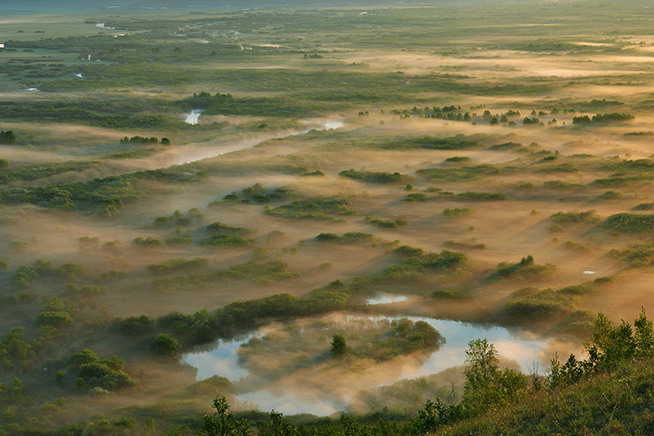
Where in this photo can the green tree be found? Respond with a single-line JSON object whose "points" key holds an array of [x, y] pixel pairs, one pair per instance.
{"points": [[487, 387], [165, 345], [339, 346], [278, 426], [224, 422]]}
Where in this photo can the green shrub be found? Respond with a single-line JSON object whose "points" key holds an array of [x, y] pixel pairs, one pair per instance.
{"points": [[317, 208], [148, 242], [457, 212], [543, 305], [415, 196], [643, 206], [346, 238], [178, 264], [575, 217], [54, 319], [376, 178], [481, 196], [388, 224], [449, 295], [526, 269], [135, 325], [630, 223], [165, 345]]}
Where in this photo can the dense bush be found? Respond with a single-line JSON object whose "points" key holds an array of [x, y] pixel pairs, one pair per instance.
{"points": [[630, 223], [135, 325], [526, 269], [317, 208], [165, 345], [376, 178], [389, 224], [345, 238], [178, 264], [7, 137], [94, 372], [575, 217]]}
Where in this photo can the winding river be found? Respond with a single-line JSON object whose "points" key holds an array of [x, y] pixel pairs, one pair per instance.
{"points": [[223, 360]]}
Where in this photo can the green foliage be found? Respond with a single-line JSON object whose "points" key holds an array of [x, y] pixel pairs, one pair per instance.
{"points": [[278, 427], [415, 264], [148, 242], [602, 118], [463, 245], [224, 240], [406, 337], [610, 195], [7, 137], [93, 372], [16, 349], [481, 196], [543, 305], [178, 219], [643, 206], [223, 422], [266, 272], [637, 255], [376, 178], [178, 264], [457, 212], [102, 196], [55, 319], [258, 194], [434, 415], [415, 197], [339, 346], [575, 217], [442, 175], [219, 227], [165, 345], [345, 238], [630, 223], [316, 208], [458, 142], [449, 295], [139, 140], [34, 172], [526, 269], [486, 386], [609, 348], [387, 224], [135, 325], [457, 159]]}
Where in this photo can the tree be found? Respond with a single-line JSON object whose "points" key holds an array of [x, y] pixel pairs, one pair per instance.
{"points": [[278, 426], [165, 345], [434, 414], [339, 346], [486, 386], [8, 137], [224, 422]]}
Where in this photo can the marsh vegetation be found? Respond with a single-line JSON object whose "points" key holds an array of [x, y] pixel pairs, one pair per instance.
{"points": [[324, 208]]}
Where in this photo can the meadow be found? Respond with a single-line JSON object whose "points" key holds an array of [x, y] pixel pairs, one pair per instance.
{"points": [[485, 163]]}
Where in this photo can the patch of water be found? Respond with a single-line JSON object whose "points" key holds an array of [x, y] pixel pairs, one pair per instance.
{"points": [[519, 346], [386, 299], [193, 117]]}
